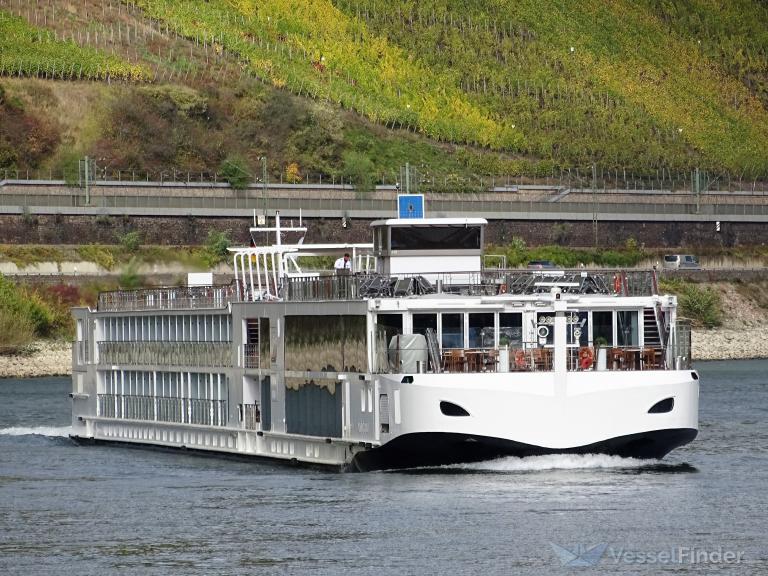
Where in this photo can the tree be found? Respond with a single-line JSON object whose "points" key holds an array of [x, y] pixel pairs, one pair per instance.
{"points": [[359, 169], [235, 171]]}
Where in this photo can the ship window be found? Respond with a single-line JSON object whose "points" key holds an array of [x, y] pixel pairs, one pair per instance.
{"points": [[453, 331], [602, 327], [545, 328], [626, 327], [436, 238], [481, 330], [423, 321], [577, 329], [511, 329], [392, 325]]}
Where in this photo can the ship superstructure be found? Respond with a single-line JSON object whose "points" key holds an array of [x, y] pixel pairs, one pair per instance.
{"points": [[414, 355]]}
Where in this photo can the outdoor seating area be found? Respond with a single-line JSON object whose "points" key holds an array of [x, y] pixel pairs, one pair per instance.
{"points": [[470, 360]]}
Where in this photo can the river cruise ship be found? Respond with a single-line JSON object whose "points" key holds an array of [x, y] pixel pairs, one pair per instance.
{"points": [[414, 351]]}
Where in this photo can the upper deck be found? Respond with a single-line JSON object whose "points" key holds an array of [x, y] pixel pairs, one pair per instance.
{"points": [[363, 286]]}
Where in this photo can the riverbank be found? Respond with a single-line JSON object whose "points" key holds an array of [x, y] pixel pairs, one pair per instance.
{"points": [[54, 358], [42, 358]]}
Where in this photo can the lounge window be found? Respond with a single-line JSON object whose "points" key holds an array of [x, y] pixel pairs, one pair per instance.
{"points": [[423, 321], [511, 329], [602, 328], [453, 331], [481, 330], [627, 328]]}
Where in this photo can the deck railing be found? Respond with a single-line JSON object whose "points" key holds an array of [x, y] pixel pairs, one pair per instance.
{"points": [[251, 357], [490, 282], [169, 298], [209, 354]]}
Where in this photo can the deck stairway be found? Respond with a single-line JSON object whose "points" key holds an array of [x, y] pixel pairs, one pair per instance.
{"points": [[651, 335]]}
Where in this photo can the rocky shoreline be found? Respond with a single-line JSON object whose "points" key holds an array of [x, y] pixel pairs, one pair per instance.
{"points": [[54, 358]]}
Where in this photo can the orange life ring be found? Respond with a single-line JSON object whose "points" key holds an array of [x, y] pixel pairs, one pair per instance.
{"points": [[586, 358], [503, 288], [616, 283], [520, 360]]}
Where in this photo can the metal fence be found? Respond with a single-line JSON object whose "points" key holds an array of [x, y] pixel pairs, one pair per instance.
{"points": [[169, 298]]}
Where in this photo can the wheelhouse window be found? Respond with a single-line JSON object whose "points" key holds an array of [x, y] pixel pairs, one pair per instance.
{"points": [[511, 329], [481, 330], [453, 331], [436, 238]]}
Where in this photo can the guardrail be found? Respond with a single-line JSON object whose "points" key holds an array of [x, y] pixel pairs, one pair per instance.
{"points": [[170, 298]]}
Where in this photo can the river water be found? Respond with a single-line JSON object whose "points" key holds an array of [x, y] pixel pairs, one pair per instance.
{"points": [[66, 509]]}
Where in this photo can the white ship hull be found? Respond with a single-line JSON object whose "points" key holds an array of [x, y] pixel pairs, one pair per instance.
{"points": [[522, 415]]}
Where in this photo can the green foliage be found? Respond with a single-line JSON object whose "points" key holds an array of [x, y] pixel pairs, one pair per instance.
{"points": [[27, 306], [24, 255], [216, 248], [16, 331], [184, 100], [29, 51], [129, 277], [703, 306], [519, 255], [235, 171], [359, 169], [131, 241], [642, 84], [104, 256]]}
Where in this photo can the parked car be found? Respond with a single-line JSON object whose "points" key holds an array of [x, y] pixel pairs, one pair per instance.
{"points": [[681, 262], [541, 265]]}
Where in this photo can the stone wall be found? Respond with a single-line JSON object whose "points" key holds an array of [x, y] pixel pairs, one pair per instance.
{"points": [[62, 229]]}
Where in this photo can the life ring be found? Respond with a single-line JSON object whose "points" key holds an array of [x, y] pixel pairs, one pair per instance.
{"points": [[543, 331], [586, 358], [503, 288], [616, 283], [520, 360]]}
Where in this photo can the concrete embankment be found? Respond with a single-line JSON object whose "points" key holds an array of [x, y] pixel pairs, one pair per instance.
{"points": [[43, 358]]}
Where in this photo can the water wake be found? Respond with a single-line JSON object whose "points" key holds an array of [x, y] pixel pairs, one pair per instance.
{"points": [[51, 431], [554, 462]]}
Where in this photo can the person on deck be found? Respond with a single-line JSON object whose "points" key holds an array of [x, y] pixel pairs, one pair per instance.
{"points": [[343, 263]]}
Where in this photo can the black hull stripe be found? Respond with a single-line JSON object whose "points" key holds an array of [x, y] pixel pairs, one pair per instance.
{"points": [[437, 449]]}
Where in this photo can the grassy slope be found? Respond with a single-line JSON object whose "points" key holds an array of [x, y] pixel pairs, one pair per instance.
{"points": [[648, 84]]}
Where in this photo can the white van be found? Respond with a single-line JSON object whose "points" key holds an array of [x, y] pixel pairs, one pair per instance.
{"points": [[681, 261]]}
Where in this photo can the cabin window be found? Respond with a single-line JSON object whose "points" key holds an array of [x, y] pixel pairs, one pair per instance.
{"points": [[602, 328], [436, 238], [511, 329], [453, 330], [423, 321], [481, 330], [627, 328]]}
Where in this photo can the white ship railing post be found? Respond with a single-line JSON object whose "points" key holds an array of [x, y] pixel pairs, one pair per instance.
{"points": [[560, 341]]}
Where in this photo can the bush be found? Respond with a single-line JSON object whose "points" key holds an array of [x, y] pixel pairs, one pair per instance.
{"points": [[216, 248], [101, 255], [701, 305], [16, 331], [27, 305], [359, 169], [131, 241], [129, 278], [235, 171]]}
